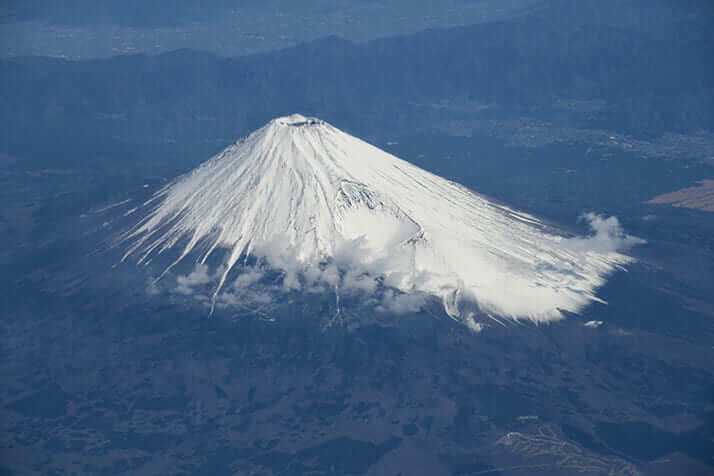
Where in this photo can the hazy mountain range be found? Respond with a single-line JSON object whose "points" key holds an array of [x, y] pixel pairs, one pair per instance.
{"points": [[188, 103]]}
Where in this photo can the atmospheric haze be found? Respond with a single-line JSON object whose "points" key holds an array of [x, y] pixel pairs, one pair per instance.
{"points": [[331, 211]]}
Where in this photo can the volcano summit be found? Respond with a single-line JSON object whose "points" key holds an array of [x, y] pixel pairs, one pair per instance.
{"points": [[326, 208]]}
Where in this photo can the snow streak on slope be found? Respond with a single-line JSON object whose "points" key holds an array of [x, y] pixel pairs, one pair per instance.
{"points": [[322, 205]]}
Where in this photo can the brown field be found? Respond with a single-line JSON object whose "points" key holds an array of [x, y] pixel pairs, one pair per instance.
{"points": [[700, 197]]}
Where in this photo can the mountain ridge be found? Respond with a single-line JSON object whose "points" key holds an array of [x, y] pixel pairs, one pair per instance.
{"points": [[326, 208]]}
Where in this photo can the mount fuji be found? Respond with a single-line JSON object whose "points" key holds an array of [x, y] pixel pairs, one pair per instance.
{"points": [[329, 210]]}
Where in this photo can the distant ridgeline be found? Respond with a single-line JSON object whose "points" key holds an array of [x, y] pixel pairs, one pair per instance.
{"points": [[194, 103]]}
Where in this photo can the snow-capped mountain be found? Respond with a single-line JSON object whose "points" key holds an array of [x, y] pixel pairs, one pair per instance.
{"points": [[326, 207]]}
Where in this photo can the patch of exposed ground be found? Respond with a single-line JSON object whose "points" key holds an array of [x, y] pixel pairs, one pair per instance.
{"points": [[700, 197]]}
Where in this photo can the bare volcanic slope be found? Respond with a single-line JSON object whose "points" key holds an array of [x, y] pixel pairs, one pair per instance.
{"points": [[328, 209]]}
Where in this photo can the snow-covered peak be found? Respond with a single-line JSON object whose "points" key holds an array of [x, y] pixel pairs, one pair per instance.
{"points": [[324, 206], [296, 120]]}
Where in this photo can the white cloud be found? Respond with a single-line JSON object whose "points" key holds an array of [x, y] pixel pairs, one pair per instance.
{"points": [[199, 276], [593, 324], [608, 236], [355, 281], [247, 277], [401, 303], [391, 280]]}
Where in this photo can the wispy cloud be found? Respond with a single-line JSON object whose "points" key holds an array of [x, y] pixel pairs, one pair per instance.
{"points": [[152, 289], [389, 282], [401, 303], [199, 276], [608, 236]]}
